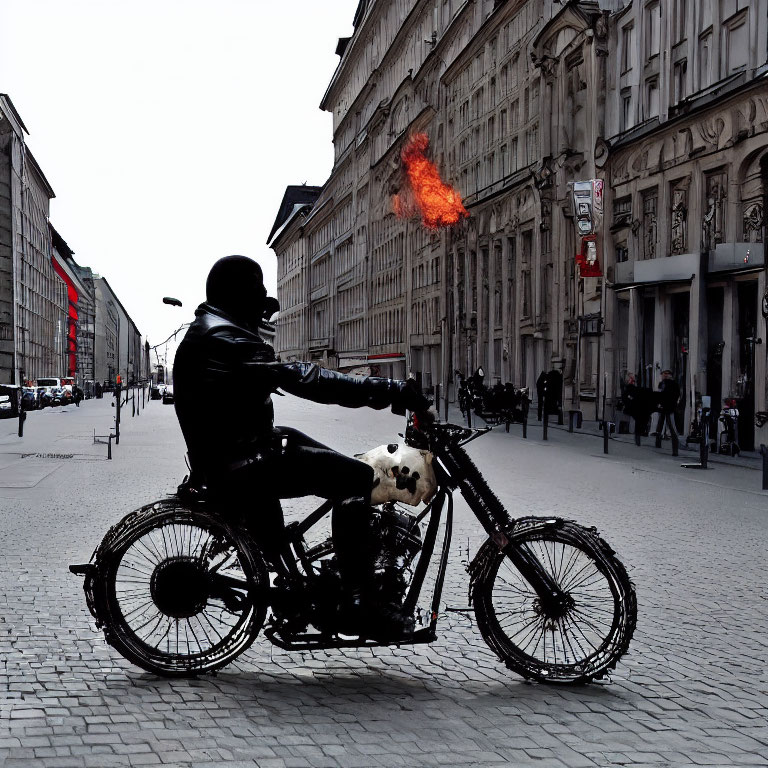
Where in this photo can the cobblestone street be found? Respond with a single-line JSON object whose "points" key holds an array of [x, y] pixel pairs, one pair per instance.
{"points": [[692, 691]]}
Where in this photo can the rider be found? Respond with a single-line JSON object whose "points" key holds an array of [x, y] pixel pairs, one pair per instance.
{"points": [[242, 452]]}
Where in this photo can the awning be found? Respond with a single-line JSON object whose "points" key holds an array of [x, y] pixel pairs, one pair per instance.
{"points": [[629, 286], [387, 357], [734, 272]]}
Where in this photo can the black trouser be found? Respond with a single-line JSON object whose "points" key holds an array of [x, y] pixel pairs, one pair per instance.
{"points": [[307, 468], [667, 418]]}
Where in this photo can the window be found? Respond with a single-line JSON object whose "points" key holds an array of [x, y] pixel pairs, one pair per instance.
{"points": [[736, 44], [526, 292], [680, 80], [705, 59], [679, 21], [652, 97], [622, 211], [652, 30], [627, 47], [532, 144], [627, 119]]}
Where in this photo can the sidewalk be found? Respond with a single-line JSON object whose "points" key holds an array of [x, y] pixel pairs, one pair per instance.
{"points": [[622, 447]]}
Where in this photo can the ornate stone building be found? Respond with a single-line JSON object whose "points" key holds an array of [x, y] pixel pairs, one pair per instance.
{"points": [[664, 101], [686, 173]]}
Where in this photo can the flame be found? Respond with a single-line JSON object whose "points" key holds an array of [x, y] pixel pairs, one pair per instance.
{"points": [[438, 203]]}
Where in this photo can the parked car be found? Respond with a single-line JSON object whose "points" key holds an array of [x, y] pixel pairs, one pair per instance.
{"points": [[168, 393], [44, 397], [10, 400], [29, 399]]}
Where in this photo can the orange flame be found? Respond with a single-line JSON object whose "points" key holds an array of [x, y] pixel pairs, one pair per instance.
{"points": [[438, 203]]}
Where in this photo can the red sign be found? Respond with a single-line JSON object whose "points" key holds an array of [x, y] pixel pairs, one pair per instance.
{"points": [[589, 264]]}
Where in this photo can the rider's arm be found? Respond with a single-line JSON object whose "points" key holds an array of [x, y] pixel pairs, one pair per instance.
{"points": [[321, 385], [256, 365]]}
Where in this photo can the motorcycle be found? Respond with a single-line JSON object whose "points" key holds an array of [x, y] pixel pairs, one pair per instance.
{"points": [[180, 587]]}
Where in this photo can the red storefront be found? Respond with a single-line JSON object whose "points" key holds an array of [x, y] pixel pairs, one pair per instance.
{"points": [[72, 296]]}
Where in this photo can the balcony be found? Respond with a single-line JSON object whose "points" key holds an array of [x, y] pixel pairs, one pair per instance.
{"points": [[736, 257]]}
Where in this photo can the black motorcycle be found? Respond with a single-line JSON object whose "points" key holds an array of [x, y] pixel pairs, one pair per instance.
{"points": [[180, 588]]}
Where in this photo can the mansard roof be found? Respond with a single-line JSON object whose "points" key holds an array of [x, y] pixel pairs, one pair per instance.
{"points": [[294, 195]]}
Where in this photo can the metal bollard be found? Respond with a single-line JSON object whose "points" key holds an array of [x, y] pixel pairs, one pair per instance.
{"points": [[437, 398], [704, 446], [764, 453], [606, 435], [109, 447], [22, 419], [545, 425], [525, 423]]}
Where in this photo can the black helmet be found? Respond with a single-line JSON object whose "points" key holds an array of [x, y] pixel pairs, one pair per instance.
{"points": [[236, 285]]}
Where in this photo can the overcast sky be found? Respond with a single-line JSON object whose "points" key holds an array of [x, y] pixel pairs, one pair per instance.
{"points": [[169, 129]]}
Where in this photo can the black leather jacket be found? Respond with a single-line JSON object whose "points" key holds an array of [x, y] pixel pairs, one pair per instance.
{"points": [[218, 357]]}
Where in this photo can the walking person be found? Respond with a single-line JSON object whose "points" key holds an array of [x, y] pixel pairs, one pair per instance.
{"points": [[669, 394]]}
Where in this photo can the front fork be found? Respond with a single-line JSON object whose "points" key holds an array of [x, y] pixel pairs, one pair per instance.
{"points": [[554, 602]]}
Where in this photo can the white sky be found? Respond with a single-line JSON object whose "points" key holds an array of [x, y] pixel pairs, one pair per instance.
{"points": [[169, 130]]}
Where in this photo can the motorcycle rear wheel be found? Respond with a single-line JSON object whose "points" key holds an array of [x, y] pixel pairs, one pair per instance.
{"points": [[595, 630], [178, 591]]}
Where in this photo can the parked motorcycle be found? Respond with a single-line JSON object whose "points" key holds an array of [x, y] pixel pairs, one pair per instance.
{"points": [[180, 587]]}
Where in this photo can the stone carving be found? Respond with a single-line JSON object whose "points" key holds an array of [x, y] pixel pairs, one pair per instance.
{"points": [[650, 225], [713, 224], [753, 222], [679, 228]]}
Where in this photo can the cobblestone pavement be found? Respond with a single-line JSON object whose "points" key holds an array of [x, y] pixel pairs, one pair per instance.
{"points": [[692, 691]]}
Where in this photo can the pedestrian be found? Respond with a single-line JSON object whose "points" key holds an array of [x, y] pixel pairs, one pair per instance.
{"points": [[541, 388], [669, 395], [553, 397]]}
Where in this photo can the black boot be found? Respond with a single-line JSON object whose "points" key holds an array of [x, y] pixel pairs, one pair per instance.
{"points": [[363, 611]]}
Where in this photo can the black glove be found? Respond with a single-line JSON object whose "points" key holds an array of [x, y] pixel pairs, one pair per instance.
{"points": [[408, 397]]}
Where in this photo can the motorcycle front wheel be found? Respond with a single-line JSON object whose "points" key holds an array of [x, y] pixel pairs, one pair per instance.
{"points": [[177, 590], [589, 633]]}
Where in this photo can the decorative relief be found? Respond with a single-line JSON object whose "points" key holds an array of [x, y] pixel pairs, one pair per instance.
{"points": [[649, 224], [679, 224], [753, 222], [713, 224]]}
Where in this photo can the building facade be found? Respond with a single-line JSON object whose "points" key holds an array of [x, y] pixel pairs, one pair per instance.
{"points": [[33, 298], [686, 182], [665, 102], [118, 349]]}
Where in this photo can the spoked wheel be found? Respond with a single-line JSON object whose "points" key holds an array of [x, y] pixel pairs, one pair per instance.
{"points": [[581, 637], [178, 591]]}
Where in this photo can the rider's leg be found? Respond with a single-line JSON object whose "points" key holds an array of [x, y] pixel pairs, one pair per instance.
{"points": [[320, 471], [310, 468]]}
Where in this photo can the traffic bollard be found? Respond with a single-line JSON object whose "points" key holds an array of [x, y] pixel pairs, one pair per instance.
{"points": [[545, 425], [764, 453], [704, 446], [606, 436], [22, 419], [109, 446], [525, 422]]}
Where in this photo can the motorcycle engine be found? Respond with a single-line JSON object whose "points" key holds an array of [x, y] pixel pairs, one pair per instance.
{"points": [[399, 541]]}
